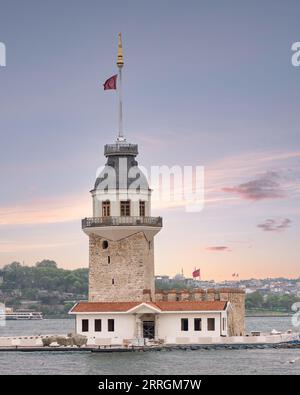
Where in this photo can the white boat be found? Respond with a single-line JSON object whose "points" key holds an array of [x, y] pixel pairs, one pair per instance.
{"points": [[9, 314]]}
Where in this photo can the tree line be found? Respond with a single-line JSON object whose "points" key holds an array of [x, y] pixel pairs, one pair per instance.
{"points": [[53, 290], [45, 284], [271, 302]]}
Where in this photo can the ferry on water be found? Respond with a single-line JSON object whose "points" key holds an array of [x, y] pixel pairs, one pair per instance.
{"points": [[9, 314]]}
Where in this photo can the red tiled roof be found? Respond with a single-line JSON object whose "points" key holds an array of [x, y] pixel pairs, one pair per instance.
{"points": [[94, 307], [102, 307]]}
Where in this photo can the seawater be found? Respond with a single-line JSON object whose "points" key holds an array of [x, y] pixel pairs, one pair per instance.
{"points": [[266, 361]]}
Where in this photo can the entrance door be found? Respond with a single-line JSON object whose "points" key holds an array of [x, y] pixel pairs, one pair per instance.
{"points": [[148, 329]]}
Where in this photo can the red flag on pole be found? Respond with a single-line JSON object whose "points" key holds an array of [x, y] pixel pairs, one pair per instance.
{"points": [[111, 83], [196, 273]]}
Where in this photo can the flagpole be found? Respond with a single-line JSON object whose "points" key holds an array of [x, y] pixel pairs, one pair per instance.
{"points": [[120, 137], [120, 64]]}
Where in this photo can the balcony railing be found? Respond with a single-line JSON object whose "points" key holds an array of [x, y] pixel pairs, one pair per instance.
{"points": [[120, 149], [119, 221]]}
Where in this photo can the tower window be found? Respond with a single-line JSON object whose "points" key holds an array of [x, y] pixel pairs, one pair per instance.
{"points": [[113, 281], [125, 208], [111, 325], [106, 208], [85, 325], [142, 208], [104, 244], [210, 324], [108, 259], [184, 324], [98, 325]]}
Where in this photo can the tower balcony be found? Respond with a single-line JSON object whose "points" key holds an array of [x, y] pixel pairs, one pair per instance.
{"points": [[121, 221], [116, 228], [120, 149]]}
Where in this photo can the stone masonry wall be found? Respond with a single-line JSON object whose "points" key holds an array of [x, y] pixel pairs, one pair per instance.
{"points": [[237, 301], [124, 271]]}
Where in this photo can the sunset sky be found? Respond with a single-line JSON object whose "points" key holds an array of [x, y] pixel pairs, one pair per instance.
{"points": [[207, 83]]}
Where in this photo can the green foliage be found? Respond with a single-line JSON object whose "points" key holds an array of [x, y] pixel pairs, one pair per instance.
{"points": [[46, 263], [44, 276], [254, 300], [46, 283], [171, 284], [271, 302]]}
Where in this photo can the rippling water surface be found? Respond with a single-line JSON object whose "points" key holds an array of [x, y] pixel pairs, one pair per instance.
{"points": [[268, 361]]}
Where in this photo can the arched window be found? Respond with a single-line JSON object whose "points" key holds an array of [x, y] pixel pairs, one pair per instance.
{"points": [[104, 244], [106, 208]]}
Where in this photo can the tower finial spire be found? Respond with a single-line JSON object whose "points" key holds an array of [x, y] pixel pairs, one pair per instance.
{"points": [[120, 60], [120, 64]]}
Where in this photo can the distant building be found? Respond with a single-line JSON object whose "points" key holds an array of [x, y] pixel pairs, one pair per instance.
{"points": [[163, 279]]}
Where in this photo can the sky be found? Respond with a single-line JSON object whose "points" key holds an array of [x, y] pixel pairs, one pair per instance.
{"points": [[205, 83]]}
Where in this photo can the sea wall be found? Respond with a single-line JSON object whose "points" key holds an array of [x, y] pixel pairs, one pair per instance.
{"points": [[288, 340]]}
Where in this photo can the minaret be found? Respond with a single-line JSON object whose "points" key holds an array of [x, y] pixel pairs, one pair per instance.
{"points": [[121, 231]]}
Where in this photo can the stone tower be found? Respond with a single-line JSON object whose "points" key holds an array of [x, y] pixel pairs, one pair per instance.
{"points": [[121, 231]]}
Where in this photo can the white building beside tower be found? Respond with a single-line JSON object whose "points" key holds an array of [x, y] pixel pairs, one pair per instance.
{"points": [[123, 306]]}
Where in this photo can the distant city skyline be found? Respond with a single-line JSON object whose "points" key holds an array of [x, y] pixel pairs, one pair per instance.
{"points": [[209, 84]]}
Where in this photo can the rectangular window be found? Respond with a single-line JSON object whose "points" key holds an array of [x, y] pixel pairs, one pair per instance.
{"points": [[142, 209], [111, 325], [197, 324], [210, 324], [85, 325], [125, 208], [106, 208], [224, 324], [184, 324], [97, 325]]}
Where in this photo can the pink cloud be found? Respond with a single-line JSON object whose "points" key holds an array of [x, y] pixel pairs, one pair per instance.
{"points": [[16, 247], [266, 186], [63, 209], [273, 225], [218, 248]]}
